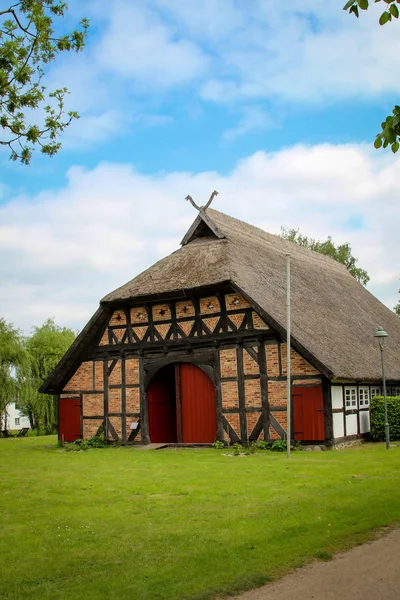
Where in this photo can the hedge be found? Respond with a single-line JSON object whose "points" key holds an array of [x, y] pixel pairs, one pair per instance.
{"points": [[377, 412]]}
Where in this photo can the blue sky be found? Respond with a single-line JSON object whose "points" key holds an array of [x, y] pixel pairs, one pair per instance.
{"points": [[274, 104]]}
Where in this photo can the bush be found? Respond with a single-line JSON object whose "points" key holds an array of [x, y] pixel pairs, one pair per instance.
{"points": [[377, 413], [279, 446], [218, 445], [96, 441], [261, 445]]}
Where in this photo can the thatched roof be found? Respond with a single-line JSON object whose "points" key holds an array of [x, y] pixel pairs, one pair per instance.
{"points": [[333, 316]]}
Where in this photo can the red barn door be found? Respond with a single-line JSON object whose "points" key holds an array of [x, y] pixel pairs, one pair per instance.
{"points": [[308, 409], [162, 407], [181, 403], [69, 419], [198, 408]]}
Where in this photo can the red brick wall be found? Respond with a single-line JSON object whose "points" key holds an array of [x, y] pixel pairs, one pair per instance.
{"points": [[298, 366], [114, 400], [277, 393], [92, 405], [83, 378], [235, 302], [89, 377], [230, 397], [272, 352], [132, 400], [228, 364], [250, 366], [208, 305], [253, 393], [90, 427], [132, 371], [114, 377]]}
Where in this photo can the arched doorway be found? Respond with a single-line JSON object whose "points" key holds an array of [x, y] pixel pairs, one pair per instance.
{"points": [[181, 403]]}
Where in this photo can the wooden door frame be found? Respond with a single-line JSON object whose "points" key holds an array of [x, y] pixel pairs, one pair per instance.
{"points": [[206, 360]]}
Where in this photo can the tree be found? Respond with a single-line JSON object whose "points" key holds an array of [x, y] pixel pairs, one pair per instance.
{"points": [[390, 134], [13, 359], [45, 347], [397, 308], [340, 253], [28, 115]]}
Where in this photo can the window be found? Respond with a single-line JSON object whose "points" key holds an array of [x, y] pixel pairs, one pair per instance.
{"points": [[16, 421], [375, 391], [363, 397], [350, 396], [395, 391]]}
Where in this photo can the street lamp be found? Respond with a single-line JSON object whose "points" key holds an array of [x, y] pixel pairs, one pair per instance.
{"points": [[381, 335]]}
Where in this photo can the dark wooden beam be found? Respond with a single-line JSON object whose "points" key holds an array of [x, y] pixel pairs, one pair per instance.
{"points": [[178, 401], [257, 428], [123, 399], [218, 397], [111, 430], [277, 426], [230, 431], [105, 383], [262, 362], [144, 417], [133, 434], [242, 394]]}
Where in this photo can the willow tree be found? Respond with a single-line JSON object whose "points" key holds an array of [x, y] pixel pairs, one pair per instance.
{"points": [[13, 360], [45, 347]]}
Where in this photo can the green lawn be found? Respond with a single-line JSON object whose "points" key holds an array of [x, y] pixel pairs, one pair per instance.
{"points": [[125, 523]]}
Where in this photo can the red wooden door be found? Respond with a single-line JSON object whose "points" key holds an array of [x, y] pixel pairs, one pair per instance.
{"points": [[69, 419], [308, 410], [162, 407], [198, 408]]}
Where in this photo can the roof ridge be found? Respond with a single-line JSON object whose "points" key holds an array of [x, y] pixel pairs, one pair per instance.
{"points": [[273, 239]]}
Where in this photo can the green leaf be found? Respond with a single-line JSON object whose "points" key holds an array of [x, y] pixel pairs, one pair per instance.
{"points": [[384, 18], [348, 5], [395, 147], [394, 10], [354, 9], [363, 4], [378, 143]]}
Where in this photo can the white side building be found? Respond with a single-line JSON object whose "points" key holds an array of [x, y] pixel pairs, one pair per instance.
{"points": [[13, 419]]}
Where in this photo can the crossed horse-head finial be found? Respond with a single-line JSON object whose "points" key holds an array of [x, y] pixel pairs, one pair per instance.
{"points": [[202, 208]]}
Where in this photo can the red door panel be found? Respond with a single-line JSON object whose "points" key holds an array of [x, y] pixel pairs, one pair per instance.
{"points": [[198, 408], [162, 407], [308, 409], [69, 419]]}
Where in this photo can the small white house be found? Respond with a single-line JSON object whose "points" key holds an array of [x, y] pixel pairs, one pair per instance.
{"points": [[12, 418]]}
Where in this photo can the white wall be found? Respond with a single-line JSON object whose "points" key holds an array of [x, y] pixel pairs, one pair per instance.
{"points": [[364, 421], [351, 424], [338, 426], [337, 397], [12, 415]]}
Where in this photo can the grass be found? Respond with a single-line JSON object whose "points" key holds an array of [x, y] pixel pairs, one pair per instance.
{"points": [[176, 524]]}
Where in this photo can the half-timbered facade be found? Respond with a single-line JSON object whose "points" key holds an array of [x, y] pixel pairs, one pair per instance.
{"points": [[193, 350]]}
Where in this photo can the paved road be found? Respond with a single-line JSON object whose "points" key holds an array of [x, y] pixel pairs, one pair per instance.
{"points": [[368, 572]]}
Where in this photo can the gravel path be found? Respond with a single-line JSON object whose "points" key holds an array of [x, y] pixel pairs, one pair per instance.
{"points": [[368, 572]]}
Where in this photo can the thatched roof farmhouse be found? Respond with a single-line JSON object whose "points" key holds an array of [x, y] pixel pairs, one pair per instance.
{"points": [[194, 348]]}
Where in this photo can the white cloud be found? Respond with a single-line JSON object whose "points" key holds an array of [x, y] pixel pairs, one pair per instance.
{"points": [[139, 45], [63, 250], [237, 53], [253, 120]]}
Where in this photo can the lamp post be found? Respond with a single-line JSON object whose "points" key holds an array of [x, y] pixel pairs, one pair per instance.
{"points": [[381, 335]]}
